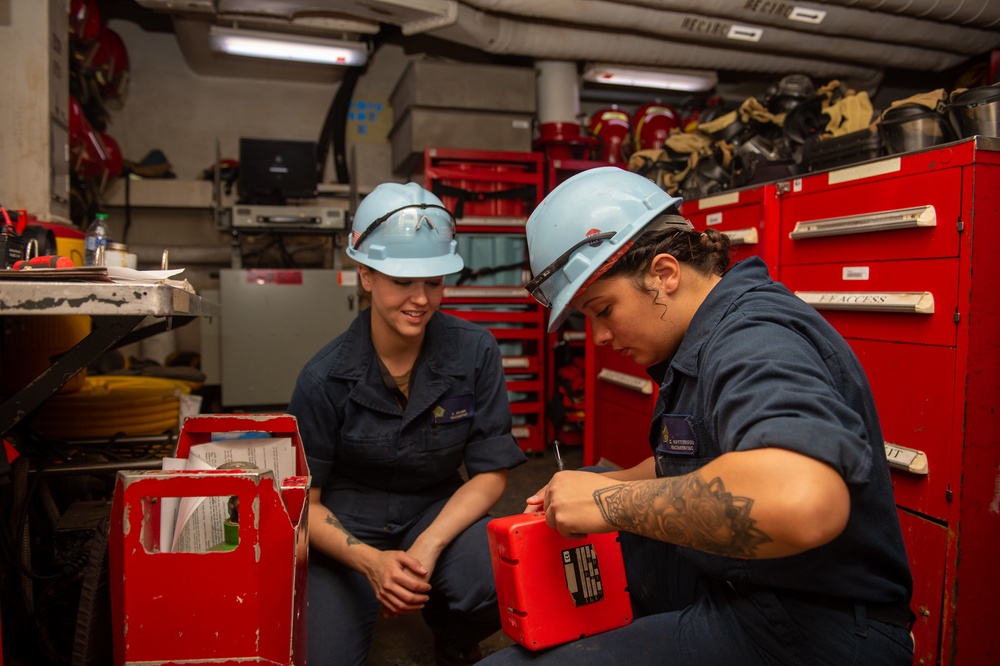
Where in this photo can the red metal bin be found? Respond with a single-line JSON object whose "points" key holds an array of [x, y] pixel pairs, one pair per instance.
{"points": [[247, 604]]}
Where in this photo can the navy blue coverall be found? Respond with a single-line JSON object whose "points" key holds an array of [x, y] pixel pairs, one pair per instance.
{"points": [[757, 368], [386, 472]]}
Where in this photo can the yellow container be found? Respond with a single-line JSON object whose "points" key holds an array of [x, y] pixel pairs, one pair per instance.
{"points": [[70, 247], [31, 343]]}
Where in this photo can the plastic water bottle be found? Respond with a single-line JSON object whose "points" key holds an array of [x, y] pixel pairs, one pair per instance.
{"points": [[96, 237]]}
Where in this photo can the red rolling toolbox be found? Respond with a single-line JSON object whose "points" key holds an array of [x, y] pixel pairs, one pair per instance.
{"points": [[245, 605], [899, 254]]}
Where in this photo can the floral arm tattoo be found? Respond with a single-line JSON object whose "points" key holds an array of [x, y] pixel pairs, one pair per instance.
{"points": [[684, 510], [351, 539]]}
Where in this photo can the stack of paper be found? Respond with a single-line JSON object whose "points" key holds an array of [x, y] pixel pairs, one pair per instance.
{"points": [[195, 524]]}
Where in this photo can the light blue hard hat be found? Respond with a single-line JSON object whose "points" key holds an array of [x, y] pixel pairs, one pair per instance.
{"points": [[580, 224], [404, 231]]}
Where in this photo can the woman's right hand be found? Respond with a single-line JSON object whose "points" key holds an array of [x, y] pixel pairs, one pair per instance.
{"points": [[396, 579]]}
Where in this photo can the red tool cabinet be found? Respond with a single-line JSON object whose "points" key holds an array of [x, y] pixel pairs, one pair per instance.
{"points": [[751, 225], [900, 255], [492, 193]]}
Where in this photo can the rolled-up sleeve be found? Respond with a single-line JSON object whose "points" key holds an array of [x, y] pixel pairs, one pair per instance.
{"points": [[776, 388]]}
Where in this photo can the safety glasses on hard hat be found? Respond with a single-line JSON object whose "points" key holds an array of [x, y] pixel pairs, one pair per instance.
{"points": [[359, 238], [535, 286]]}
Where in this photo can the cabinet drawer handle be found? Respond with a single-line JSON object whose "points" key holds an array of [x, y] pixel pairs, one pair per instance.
{"points": [[521, 432], [908, 460], [483, 221], [742, 236], [914, 302], [637, 384], [485, 292], [904, 218], [515, 362]]}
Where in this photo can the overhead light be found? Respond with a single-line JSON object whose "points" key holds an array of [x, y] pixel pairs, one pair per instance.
{"points": [[688, 80], [279, 46]]}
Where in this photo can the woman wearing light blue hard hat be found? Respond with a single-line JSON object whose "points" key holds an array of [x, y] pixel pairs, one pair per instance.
{"points": [[389, 412], [762, 528]]}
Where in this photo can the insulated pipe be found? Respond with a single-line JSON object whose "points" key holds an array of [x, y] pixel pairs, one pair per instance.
{"points": [[982, 13], [697, 28], [828, 19], [498, 35], [558, 92]]}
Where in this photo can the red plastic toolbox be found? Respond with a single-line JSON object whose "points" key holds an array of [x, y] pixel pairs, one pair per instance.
{"points": [[245, 605], [552, 589]]}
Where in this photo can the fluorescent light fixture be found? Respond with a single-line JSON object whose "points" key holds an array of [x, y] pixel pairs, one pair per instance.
{"points": [[279, 46], [688, 80]]}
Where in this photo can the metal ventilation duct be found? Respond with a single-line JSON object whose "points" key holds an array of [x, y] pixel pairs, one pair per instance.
{"points": [[503, 36], [724, 33], [813, 18], [981, 13]]}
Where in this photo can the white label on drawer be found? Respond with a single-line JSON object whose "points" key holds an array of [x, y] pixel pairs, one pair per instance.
{"points": [[713, 218], [879, 168], [520, 124], [797, 185], [719, 200], [515, 362], [856, 272], [520, 432]]}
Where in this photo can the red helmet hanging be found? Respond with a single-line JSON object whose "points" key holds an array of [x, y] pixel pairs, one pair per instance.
{"points": [[113, 165], [88, 153], [84, 21], [612, 128], [108, 64], [652, 124]]}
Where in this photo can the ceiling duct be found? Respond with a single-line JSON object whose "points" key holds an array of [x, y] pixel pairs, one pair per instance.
{"points": [[700, 29], [851, 40], [411, 15], [503, 36], [833, 19], [981, 13]]}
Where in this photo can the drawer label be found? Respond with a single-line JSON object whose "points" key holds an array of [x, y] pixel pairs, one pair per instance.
{"points": [[719, 200], [713, 218], [856, 272], [859, 172]]}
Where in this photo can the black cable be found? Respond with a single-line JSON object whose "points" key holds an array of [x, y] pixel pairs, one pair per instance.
{"points": [[334, 129]]}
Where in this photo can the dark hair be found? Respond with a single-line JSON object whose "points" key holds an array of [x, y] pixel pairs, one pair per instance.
{"points": [[706, 251]]}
